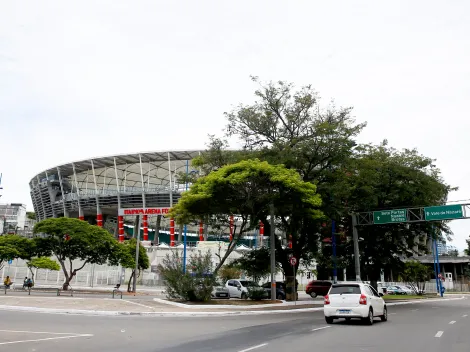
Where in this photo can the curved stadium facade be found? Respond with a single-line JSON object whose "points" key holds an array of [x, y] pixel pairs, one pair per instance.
{"points": [[94, 189]]}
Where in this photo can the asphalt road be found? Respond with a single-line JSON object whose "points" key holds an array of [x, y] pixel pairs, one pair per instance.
{"points": [[431, 327]]}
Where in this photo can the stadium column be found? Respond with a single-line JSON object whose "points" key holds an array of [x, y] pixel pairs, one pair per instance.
{"points": [[99, 215], [145, 224], [80, 211], [120, 217], [172, 220], [201, 231], [66, 212], [231, 228], [261, 233], [42, 201], [51, 195]]}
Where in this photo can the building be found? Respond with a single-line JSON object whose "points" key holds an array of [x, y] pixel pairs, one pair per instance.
{"points": [[95, 189], [12, 217]]}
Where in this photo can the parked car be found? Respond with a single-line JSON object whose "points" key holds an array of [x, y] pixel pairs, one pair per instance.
{"points": [[220, 292], [317, 288], [415, 291], [396, 290], [280, 289], [354, 301], [239, 288], [408, 290]]}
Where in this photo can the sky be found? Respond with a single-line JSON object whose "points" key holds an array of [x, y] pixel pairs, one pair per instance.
{"points": [[92, 78]]}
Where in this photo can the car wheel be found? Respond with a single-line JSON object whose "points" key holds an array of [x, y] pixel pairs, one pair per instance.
{"points": [[329, 320], [370, 318], [244, 296], [384, 317], [313, 295]]}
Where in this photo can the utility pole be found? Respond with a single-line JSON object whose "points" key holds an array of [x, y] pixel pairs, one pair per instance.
{"points": [[137, 247], [272, 245], [333, 244], [357, 263]]}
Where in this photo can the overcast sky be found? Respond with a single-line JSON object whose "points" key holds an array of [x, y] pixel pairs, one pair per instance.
{"points": [[91, 78]]}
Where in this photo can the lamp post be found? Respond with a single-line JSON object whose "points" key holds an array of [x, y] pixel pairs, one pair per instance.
{"points": [[185, 225]]}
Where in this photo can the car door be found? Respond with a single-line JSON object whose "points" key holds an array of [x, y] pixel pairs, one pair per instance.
{"points": [[232, 288], [376, 301]]}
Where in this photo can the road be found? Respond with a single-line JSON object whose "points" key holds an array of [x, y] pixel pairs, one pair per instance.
{"points": [[431, 327]]}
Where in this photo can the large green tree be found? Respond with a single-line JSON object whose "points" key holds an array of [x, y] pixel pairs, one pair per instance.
{"points": [[247, 189], [286, 126], [381, 177], [15, 247], [71, 239]]}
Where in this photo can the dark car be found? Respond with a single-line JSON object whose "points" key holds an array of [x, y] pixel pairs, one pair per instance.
{"points": [[280, 289], [317, 288]]}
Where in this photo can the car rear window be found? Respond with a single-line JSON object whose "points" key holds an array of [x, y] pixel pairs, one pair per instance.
{"points": [[345, 289]]}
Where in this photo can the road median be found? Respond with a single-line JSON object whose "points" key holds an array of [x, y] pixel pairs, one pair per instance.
{"points": [[136, 307]]}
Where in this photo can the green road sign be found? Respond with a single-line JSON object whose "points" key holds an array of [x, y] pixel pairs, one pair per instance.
{"points": [[388, 216], [444, 212]]}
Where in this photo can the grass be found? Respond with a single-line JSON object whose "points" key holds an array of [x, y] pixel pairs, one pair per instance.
{"points": [[403, 297]]}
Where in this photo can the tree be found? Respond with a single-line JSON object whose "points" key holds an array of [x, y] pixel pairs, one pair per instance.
{"points": [[228, 272], [31, 215], [246, 189], [14, 247], [70, 239], [381, 177], [127, 259], [286, 126], [255, 264], [42, 263], [416, 274]]}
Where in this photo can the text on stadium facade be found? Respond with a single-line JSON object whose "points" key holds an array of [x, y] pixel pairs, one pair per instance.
{"points": [[144, 211]]}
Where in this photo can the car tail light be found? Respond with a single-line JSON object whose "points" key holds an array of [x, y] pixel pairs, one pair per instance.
{"points": [[363, 299], [327, 299]]}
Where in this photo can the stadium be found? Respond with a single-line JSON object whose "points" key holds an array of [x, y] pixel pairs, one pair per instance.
{"points": [[95, 189]]}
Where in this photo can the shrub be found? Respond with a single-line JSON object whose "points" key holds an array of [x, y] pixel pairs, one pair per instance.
{"points": [[228, 273], [194, 285], [256, 293]]}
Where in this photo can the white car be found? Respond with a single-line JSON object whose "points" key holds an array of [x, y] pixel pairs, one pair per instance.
{"points": [[239, 288], [354, 301]]}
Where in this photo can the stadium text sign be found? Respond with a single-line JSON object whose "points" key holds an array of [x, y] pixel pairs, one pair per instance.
{"points": [[143, 211]]}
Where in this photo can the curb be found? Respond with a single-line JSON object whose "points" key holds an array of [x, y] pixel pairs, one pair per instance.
{"points": [[187, 314], [225, 306]]}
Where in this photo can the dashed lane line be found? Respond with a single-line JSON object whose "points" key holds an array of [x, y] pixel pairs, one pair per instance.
{"points": [[253, 348], [439, 334]]}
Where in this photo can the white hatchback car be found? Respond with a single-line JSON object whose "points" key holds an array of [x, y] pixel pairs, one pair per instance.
{"points": [[354, 301]]}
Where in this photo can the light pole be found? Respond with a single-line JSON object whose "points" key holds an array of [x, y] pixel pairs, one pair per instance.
{"points": [[272, 244], [137, 247], [185, 225], [357, 263]]}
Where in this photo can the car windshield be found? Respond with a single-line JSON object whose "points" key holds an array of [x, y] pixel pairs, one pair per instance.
{"points": [[248, 284], [345, 289]]}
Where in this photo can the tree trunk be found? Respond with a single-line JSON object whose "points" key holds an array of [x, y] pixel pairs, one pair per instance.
{"points": [[130, 281], [32, 274]]}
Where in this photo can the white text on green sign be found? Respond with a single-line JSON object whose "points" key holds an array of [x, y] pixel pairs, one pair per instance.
{"points": [[444, 212], [388, 216]]}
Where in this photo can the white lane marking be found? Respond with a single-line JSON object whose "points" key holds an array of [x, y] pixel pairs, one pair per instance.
{"points": [[323, 327], [138, 304], [43, 332], [439, 334], [45, 339], [464, 316], [452, 322], [254, 347]]}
